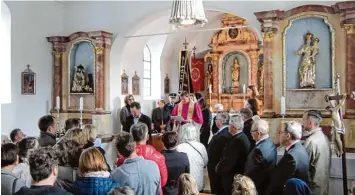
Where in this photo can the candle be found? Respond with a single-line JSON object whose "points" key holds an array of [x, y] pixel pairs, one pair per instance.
{"points": [[210, 89], [57, 103], [244, 89], [81, 105], [283, 105]]}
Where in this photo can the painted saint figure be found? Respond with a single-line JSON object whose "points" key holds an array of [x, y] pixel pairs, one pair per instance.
{"points": [[307, 68]]}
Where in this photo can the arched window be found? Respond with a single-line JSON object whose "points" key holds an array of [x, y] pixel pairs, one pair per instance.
{"points": [[147, 77]]}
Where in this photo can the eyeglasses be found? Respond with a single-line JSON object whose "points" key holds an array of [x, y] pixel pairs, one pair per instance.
{"points": [[131, 99]]}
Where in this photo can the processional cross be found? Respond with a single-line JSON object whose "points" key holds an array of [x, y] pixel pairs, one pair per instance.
{"points": [[338, 128]]}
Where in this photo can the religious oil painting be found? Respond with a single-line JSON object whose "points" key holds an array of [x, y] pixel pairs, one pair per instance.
{"points": [[82, 67], [28, 82], [233, 33], [124, 83], [135, 84]]}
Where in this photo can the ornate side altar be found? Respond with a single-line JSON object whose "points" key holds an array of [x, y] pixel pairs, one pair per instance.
{"points": [[233, 63], [80, 78]]}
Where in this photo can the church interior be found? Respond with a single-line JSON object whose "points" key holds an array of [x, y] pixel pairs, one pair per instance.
{"points": [[245, 49]]}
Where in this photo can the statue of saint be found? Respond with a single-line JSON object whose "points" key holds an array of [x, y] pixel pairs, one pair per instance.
{"points": [[337, 125], [80, 84], [307, 68], [235, 73], [209, 76]]}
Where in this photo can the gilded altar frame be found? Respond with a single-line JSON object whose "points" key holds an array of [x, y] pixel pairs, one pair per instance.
{"points": [[71, 45], [284, 33]]}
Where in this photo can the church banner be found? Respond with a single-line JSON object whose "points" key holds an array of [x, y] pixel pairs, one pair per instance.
{"points": [[198, 74], [185, 82]]}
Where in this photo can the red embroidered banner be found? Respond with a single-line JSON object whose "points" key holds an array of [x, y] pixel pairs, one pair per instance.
{"points": [[198, 74]]}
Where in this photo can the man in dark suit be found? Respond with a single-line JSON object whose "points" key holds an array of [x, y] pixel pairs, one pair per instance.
{"points": [[262, 158], [215, 149], [247, 115], [218, 109], [160, 117], [170, 106], [176, 162], [294, 163], [234, 154], [137, 116]]}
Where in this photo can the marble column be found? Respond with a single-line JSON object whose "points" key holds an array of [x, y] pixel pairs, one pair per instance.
{"points": [[99, 79], [350, 63], [57, 53], [268, 38]]}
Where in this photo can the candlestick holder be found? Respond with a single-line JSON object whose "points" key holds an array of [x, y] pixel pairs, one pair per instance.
{"points": [[81, 118], [58, 119]]}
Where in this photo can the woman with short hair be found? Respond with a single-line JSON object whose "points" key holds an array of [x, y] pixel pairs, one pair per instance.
{"points": [[94, 179], [22, 170], [243, 185], [187, 185]]}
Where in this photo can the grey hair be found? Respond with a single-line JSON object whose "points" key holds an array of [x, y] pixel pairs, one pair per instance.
{"points": [[237, 121], [224, 116], [294, 128], [246, 112], [219, 107], [262, 126], [125, 190], [139, 131], [314, 117], [189, 132]]}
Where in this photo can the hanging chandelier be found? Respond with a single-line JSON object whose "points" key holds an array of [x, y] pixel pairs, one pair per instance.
{"points": [[187, 13]]}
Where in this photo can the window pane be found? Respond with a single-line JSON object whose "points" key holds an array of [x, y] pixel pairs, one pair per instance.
{"points": [[146, 83], [146, 54], [146, 92], [147, 65], [147, 74]]}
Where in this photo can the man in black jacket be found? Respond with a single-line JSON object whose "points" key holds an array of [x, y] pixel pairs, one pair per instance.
{"points": [[215, 149], [234, 154], [218, 108], [294, 163], [137, 116], [262, 158], [160, 117], [247, 115]]}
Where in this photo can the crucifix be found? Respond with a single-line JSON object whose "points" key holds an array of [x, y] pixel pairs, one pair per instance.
{"points": [[338, 128], [185, 44], [194, 49]]}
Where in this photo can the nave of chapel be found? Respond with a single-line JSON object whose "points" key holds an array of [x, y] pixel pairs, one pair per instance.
{"points": [[209, 93]]}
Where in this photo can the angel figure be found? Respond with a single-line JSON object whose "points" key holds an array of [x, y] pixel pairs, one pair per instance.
{"points": [[337, 125]]}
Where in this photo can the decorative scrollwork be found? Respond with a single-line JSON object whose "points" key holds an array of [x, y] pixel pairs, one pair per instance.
{"points": [[349, 28], [99, 50]]}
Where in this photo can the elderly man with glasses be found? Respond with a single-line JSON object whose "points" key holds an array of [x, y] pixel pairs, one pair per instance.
{"points": [[234, 154], [294, 163], [262, 158], [215, 149]]}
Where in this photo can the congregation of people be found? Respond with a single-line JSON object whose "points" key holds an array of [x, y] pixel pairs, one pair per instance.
{"points": [[235, 149]]}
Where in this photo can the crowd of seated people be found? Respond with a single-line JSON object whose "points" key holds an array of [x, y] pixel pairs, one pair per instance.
{"points": [[240, 158]]}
